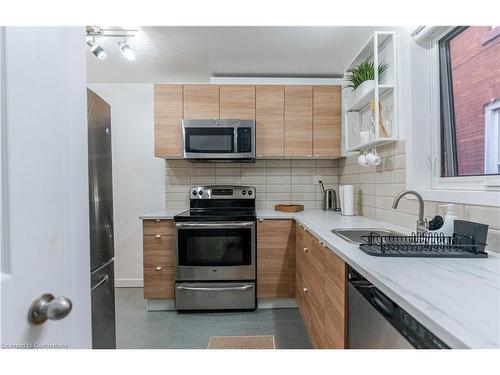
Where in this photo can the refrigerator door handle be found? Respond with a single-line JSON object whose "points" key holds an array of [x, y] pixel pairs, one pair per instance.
{"points": [[103, 280]]}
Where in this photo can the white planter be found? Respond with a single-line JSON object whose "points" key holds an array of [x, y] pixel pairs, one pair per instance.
{"points": [[361, 96]]}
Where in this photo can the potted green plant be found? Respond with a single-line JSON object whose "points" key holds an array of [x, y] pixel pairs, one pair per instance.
{"points": [[364, 72]]}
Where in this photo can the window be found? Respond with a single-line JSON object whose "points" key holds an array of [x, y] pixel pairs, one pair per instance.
{"points": [[469, 79]]}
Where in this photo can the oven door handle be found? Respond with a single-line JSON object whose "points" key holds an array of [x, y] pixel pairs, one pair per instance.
{"points": [[207, 289], [245, 224]]}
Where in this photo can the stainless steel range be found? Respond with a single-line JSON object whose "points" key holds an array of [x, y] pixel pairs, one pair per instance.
{"points": [[215, 244]]}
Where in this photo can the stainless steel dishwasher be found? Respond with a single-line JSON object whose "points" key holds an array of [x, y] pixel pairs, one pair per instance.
{"points": [[377, 322]]}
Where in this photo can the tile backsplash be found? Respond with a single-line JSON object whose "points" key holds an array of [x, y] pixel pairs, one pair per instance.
{"points": [[376, 187], [292, 181], [276, 181]]}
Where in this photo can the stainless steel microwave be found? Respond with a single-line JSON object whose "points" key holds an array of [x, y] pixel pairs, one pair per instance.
{"points": [[219, 140]]}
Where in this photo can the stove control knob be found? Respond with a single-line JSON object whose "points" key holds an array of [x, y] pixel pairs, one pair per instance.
{"points": [[200, 192], [194, 192], [249, 192], [243, 192]]}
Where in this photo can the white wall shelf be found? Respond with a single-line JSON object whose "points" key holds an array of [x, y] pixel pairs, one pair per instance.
{"points": [[361, 130]]}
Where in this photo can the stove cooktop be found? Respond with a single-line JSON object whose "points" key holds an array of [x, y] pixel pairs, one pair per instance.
{"points": [[217, 214]]}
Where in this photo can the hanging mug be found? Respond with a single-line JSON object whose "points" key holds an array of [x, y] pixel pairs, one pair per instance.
{"points": [[372, 158], [362, 159]]}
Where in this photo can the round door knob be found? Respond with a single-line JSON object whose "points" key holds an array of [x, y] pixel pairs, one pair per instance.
{"points": [[158, 268], [306, 290], [49, 307], [306, 249]]}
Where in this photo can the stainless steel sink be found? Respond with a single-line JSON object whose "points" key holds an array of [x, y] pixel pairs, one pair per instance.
{"points": [[353, 235]]}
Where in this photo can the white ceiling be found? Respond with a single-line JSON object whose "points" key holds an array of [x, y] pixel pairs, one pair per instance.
{"points": [[193, 54]]}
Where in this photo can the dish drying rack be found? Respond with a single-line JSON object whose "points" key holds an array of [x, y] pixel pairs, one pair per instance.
{"points": [[430, 245]]}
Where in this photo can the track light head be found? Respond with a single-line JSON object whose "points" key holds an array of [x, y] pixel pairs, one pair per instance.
{"points": [[126, 50], [96, 49]]}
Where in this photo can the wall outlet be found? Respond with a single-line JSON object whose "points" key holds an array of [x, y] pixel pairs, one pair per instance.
{"points": [[317, 179]]}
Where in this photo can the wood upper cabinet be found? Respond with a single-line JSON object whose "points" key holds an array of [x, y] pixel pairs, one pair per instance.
{"points": [[326, 121], [276, 259], [298, 121], [335, 302], [201, 101], [158, 259], [270, 120], [293, 121], [237, 102], [167, 119]]}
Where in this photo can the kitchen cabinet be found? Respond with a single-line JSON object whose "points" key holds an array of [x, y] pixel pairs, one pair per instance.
{"points": [[167, 120], [270, 120], [292, 121], [158, 259], [336, 292], [326, 121], [275, 259], [237, 102], [298, 121], [201, 101], [320, 291]]}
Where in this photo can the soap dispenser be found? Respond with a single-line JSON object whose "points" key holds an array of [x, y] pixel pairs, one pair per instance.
{"points": [[449, 220]]}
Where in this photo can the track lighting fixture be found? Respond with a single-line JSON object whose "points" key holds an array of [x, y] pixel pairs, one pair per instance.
{"points": [[94, 32], [126, 50], [96, 49]]}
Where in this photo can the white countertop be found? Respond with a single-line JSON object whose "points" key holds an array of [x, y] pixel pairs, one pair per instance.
{"points": [[457, 299]]}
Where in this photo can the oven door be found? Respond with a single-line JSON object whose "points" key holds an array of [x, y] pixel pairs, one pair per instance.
{"points": [[215, 251]]}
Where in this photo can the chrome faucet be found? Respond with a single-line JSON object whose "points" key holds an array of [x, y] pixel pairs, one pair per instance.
{"points": [[421, 223]]}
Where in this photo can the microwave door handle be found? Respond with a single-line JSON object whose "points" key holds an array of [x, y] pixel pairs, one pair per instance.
{"points": [[235, 129]]}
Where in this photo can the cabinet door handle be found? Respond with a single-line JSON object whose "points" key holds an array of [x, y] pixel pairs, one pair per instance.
{"points": [[261, 220], [306, 290], [306, 249], [158, 268], [158, 236], [157, 220]]}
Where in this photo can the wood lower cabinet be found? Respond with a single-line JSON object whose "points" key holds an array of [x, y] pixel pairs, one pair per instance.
{"points": [[158, 259], [168, 118], [335, 302], [320, 291], [275, 259]]}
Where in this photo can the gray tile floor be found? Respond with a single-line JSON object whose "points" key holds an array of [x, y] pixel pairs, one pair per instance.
{"points": [[137, 328]]}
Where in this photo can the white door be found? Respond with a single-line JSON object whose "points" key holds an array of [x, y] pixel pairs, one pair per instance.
{"points": [[44, 206]]}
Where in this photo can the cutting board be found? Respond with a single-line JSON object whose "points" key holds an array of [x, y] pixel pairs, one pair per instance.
{"points": [[289, 207]]}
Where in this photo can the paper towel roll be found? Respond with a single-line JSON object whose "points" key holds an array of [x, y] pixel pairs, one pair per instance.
{"points": [[341, 198], [348, 200]]}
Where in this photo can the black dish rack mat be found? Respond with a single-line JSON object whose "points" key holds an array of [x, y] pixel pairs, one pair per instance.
{"points": [[430, 245]]}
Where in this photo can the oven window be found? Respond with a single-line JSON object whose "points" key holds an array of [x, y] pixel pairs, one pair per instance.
{"points": [[215, 247], [210, 140]]}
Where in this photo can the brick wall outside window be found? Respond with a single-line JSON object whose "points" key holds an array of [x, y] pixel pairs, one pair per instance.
{"points": [[476, 81]]}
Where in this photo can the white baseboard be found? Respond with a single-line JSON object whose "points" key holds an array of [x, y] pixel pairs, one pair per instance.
{"points": [[128, 283]]}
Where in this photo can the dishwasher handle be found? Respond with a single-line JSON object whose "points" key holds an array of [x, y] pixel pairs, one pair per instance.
{"points": [[382, 303]]}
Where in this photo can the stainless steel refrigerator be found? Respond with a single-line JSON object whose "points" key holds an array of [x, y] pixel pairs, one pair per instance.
{"points": [[101, 223]]}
